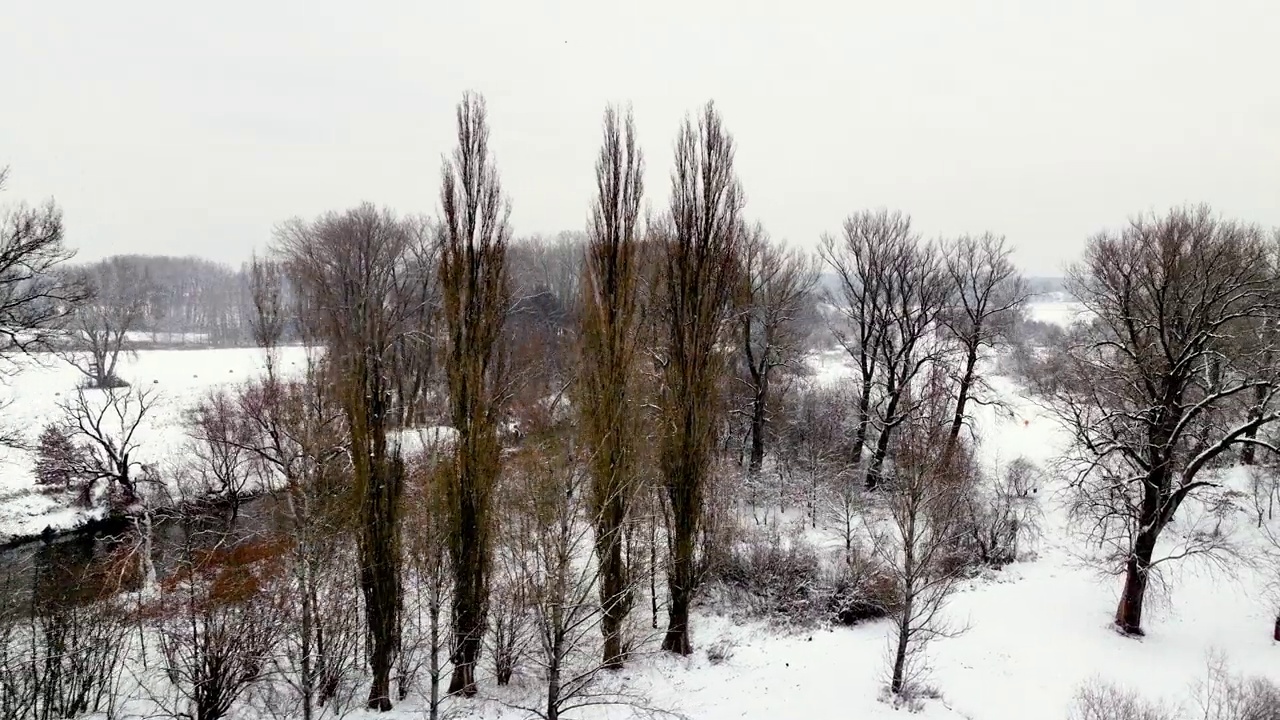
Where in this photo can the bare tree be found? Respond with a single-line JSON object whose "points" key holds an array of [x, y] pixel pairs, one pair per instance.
{"points": [[429, 557], [551, 531], [101, 325], [987, 295], [1002, 516], [293, 432], [218, 627], [861, 259], [105, 431], [36, 297], [776, 284], [416, 350], [891, 294], [219, 448], [1169, 295], [814, 459], [352, 268], [607, 388], [915, 293], [700, 248], [296, 436], [926, 502], [476, 295]]}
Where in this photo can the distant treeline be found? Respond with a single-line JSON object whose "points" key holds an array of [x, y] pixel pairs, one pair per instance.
{"points": [[177, 299], [170, 300]]}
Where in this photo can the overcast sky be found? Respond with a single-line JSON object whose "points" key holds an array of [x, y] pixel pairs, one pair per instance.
{"points": [[173, 127]]}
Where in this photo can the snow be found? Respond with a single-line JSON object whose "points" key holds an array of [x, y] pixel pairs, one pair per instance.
{"points": [[418, 441], [179, 378], [1036, 629], [1063, 313]]}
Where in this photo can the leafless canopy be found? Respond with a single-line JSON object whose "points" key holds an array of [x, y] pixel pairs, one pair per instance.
{"points": [[100, 326], [987, 294], [35, 297], [351, 267], [1150, 388], [892, 293]]}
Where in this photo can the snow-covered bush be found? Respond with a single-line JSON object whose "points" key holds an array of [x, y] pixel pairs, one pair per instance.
{"points": [[1100, 700], [775, 577], [510, 634], [1002, 516], [788, 579], [1227, 696], [57, 458], [860, 589], [720, 651]]}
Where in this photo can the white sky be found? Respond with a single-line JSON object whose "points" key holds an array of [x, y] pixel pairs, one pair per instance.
{"points": [[193, 128]]}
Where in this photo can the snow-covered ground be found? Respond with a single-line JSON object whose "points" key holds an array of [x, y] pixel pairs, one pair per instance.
{"points": [[1055, 308], [1036, 630], [178, 378]]}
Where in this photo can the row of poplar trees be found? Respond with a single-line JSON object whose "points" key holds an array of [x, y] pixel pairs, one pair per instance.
{"points": [[670, 282]]}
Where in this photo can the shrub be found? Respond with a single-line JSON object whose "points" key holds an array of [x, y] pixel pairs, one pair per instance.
{"points": [[57, 459], [62, 649], [774, 578], [1227, 696], [861, 590], [787, 579], [1001, 519], [1098, 700], [720, 651]]}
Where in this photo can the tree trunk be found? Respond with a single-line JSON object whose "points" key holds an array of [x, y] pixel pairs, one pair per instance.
{"points": [[900, 651], [878, 455], [553, 677], [682, 572], [677, 639], [1137, 570], [1248, 451], [469, 549], [463, 680], [615, 595], [882, 442], [653, 569], [962, 395], [864, 420], [434, 610], [380, 577], [757, 429]]}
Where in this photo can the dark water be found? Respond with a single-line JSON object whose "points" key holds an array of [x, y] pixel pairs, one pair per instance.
{"points": [[86, 566]]}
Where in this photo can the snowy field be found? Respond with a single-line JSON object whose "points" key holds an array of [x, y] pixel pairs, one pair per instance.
{"points": [[178, 378], [1036, 630]]}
